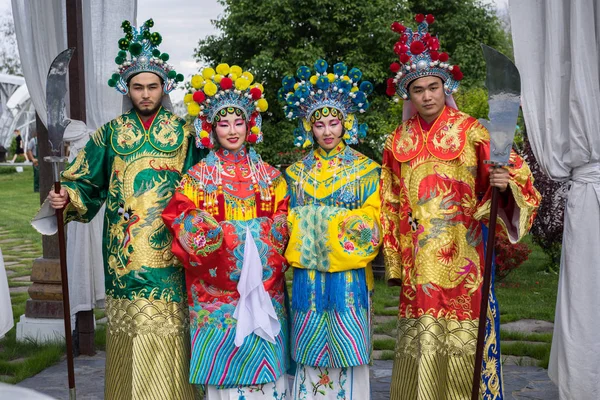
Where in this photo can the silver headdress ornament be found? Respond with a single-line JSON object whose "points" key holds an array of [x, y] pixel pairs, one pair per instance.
{"points": [[139, 53], [315, 95]]}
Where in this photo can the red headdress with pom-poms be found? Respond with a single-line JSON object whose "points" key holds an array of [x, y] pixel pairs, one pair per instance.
{"points": [[419, 55]]}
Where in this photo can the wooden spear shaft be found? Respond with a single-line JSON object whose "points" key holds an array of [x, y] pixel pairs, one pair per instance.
{"points": [[485, 293], [64, 278]]}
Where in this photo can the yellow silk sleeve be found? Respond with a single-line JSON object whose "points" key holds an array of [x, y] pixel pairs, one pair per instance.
{"points": [[334, 239], [280, 189]]}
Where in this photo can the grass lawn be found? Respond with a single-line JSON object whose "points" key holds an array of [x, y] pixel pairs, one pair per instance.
{"points": [[19, 204], [21, 360], [529, 292]]}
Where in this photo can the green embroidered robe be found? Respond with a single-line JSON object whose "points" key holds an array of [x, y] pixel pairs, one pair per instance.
{"points": [[135, 171]]}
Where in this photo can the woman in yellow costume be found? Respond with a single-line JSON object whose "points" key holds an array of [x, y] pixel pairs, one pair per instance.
{"points": [[228, 217], [334, 234]]}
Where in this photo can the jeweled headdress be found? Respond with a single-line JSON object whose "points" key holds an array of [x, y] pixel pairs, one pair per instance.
{"points": [[226, 90], [144, 56], [419, 56], [339, 90]]}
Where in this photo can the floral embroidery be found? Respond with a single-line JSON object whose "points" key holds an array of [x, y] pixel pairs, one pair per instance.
{"points": [[341, 382], [198, 233], [243, 390], [279, 233], [200, 240], [359, 234], [324, 383], [348, 246]]}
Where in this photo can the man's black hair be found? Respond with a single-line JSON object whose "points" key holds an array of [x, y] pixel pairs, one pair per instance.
{"points": [[411, 82], [162, 81]]}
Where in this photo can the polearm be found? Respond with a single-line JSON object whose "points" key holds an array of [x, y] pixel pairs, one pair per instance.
{"points": [[56, 89], [504, 97]]}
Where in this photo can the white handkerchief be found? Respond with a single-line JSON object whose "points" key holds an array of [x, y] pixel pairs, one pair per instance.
{"points": [[255, 312], [45, 220]]}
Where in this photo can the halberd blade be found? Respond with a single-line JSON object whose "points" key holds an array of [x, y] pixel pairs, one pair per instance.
{"points": [[504, 98], [56, 90]]}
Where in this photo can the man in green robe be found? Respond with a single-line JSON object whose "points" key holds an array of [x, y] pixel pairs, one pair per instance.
{"points": [[133, 163]]}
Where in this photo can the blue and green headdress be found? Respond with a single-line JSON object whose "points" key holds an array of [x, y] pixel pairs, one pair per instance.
{"points": [[310, 96], [139, 53]]}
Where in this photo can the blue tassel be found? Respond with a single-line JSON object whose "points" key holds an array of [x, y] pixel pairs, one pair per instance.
{"points": [[331, 290], [319, 287], [300, 290], [335, 287]]}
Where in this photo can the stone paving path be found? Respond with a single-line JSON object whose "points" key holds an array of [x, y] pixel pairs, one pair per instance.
{"points": [[520, 383], [18, 257]]}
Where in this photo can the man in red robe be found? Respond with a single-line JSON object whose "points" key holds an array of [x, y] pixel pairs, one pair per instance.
{"points": [[435, 190]]}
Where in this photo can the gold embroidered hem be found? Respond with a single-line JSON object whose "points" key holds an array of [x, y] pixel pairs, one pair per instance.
{"points": [[435, 359], [147, 350], [429, 335]]}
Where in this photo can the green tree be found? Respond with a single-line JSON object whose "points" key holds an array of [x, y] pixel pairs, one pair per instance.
{"points": [[9, 54], [273, 38], [461, 25]]}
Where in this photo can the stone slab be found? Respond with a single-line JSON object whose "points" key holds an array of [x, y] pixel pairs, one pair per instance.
{"points": [[44, 309], [40, 329], [89, 379], [380, 319], [12, 263], [18, 289], [43, 291], [382, 337], [519, 360], [46, 270], [528, 326]]}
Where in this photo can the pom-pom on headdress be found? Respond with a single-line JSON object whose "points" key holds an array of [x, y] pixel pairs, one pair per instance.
{"points": [[221, 91], [139, 53], [419, 55], [337, 91]]}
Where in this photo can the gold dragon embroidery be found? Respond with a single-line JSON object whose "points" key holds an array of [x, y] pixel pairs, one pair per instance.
{"points": [[165, 131]]}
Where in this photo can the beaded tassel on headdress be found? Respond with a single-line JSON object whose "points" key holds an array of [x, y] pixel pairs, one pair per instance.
{"points": [[339, 90], [419, 56], [144, 56], [228, 89]]}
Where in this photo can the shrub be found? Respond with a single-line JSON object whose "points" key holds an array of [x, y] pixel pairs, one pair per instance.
{"points": [[547, 229], [509, 256]]}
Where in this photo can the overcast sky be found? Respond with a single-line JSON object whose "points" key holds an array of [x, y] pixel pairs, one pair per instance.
{"points": [[182, 23]]}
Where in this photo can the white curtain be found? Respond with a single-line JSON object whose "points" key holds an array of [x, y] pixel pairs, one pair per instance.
{"points": [[557, 51], [41, 30], [41, 34], [6, 314]]}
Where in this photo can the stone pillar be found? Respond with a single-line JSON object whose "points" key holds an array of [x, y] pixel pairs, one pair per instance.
{"points": [[84, 327]]}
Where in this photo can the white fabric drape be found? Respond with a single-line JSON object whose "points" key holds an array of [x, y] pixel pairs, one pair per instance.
{"points": [[41, 35], [254, 312], [557, 51], [6, 314], [41, 30]]}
